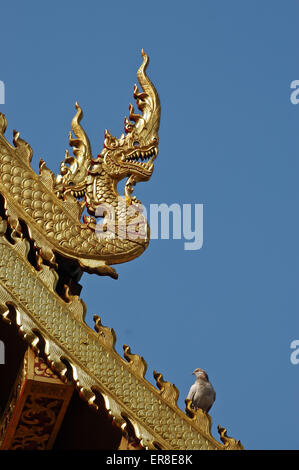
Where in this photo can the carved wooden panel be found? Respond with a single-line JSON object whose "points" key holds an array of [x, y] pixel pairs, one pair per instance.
{"points": [[36, 407]]}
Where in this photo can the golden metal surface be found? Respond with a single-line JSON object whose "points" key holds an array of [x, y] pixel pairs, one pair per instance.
{"points": [[70, 345], [50, 205], [42, 223]]}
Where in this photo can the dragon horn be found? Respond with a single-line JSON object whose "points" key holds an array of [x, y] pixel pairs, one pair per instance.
{"points": [[148, 102], [81, 144]]}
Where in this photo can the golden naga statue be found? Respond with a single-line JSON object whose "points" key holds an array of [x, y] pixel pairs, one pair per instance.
{"points": [[52, 206]]}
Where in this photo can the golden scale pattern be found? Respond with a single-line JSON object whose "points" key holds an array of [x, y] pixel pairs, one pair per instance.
{"points": [[94, 359], [19, 182], [54, 225], [48, 204]]}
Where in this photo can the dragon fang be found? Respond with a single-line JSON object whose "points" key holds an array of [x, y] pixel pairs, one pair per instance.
{"points": [[51, 206]]}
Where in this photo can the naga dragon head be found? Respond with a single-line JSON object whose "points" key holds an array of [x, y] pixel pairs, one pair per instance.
{"points": [[131, 156]]}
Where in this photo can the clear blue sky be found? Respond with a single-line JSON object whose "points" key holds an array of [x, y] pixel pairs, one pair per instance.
{"points": [[229, 139]]}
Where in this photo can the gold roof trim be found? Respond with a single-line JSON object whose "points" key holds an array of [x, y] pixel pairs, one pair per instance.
{"points": [[42, 223], [56, 328], [52, 205]]}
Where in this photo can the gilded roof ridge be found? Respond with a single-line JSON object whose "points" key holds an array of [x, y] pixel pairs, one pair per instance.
{"points": [[70, 344]]}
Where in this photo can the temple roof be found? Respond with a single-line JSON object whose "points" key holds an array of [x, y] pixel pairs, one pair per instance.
{"points": [[45, 245], [55, 329]]}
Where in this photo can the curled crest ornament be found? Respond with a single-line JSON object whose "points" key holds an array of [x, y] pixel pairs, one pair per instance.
{"points": [[52, 205], [41, 221]]}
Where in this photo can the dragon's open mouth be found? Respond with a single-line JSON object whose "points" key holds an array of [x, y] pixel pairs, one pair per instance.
{"points": [[78, 194], [76, 191], [143, 158]]}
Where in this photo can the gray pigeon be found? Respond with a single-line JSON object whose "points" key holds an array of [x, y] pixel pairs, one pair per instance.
{"points": [[201, 392]]}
